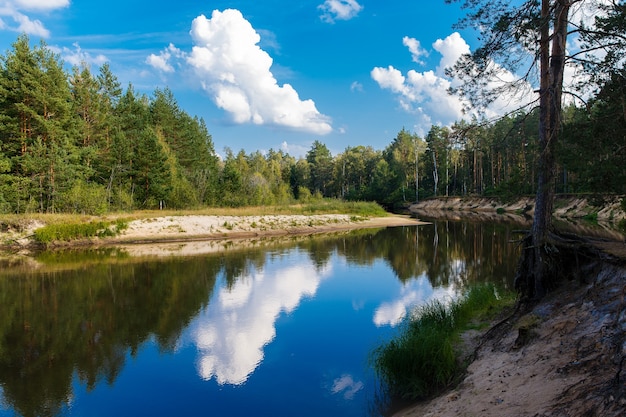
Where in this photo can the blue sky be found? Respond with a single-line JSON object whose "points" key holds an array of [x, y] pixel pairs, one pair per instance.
{"points": [[268, 74]]}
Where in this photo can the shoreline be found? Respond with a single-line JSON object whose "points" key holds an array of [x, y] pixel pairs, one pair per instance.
{"points": [[200, 227], [561, 357], [194, 228]]}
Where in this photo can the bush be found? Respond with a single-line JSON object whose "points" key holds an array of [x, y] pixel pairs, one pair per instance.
{"points": [[331, 205], [120, 199], [84, 198]]}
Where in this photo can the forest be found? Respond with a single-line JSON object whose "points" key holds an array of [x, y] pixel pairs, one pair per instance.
{"points": [[78, 142]]}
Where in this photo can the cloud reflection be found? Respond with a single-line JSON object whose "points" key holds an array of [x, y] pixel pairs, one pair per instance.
{"points": [[232, 332], [412, 294], [346, 386]]}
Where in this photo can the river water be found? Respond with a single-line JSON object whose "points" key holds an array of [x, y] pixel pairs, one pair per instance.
{"points": [[272, 328]]}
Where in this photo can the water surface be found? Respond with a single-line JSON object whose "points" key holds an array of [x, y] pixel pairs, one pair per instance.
{"points": [[276, 329]]}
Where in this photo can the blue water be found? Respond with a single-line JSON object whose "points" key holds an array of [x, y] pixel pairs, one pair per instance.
{"points": [[289, 333], [290, 340]]}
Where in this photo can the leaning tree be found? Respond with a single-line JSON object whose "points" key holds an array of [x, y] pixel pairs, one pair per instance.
{"points": [[530, 38]]}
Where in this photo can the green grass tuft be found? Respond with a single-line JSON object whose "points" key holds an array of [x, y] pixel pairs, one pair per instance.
{"points": [[423, 360], [64, 232], [591, 217], [334, 206]]}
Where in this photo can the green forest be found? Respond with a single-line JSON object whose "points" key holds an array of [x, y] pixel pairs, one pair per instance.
{"points": [[77, 141]]}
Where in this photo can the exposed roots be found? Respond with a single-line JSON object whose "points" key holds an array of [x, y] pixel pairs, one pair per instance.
{"points": [[563, 257]]}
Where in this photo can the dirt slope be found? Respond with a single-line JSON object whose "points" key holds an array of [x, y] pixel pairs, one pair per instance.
{"points": [[571, 207], [570, 362]]}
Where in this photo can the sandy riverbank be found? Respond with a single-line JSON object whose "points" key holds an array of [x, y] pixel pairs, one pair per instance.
{"points": [[190, 228], [573, 208], [570, 364], [175, 228]]}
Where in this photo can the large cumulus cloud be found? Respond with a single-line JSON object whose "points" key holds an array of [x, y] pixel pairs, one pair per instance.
{"points": [[426, 94], [231, 66]]}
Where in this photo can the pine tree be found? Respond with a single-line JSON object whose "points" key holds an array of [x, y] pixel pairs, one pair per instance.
{"points": [[535, 33], [38, 124]]}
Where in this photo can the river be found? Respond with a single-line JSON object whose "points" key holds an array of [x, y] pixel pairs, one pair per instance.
{"points": [[279, 327]]}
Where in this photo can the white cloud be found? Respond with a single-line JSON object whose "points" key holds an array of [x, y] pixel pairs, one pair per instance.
{"points": [[78, 57], [28, 26], [451, 49], [162, 61], [425, 94], [297, 151], [14, 9], [40, 4], [575, 78], [413, 294], [339, 10], [237, 73], [356, 86], [389, 78], [585, 12], [416, 50]]}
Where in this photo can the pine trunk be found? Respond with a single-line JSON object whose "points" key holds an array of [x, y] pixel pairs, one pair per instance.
{"points": [[535, 266]]}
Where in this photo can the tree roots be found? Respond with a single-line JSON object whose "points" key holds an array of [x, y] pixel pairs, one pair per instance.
{"points": [[563, 257]]}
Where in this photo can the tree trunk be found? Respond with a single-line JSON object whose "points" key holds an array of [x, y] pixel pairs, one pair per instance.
{"points": [[435, 173], [536, 256]]}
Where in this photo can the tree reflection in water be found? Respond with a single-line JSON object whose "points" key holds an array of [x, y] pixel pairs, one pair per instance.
{"points": [[81, 314]]}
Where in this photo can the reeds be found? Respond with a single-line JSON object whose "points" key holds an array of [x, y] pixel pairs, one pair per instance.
{"points": [[423, 359]]}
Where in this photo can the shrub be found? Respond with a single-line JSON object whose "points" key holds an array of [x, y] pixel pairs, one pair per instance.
{"points": [[422, 359], [357, 208], [303, 194], [84, 198]]}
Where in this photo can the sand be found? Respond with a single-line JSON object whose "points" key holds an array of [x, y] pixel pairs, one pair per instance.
{"points": [[570, 364], [197, 227]]}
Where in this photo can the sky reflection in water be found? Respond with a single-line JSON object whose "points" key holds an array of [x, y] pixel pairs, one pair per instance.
{"points": [[281, 330], [232, 331]]}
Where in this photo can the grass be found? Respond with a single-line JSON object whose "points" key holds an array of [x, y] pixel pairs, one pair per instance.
{"points": [[423, 360], [591, 217], [72, 231]]}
